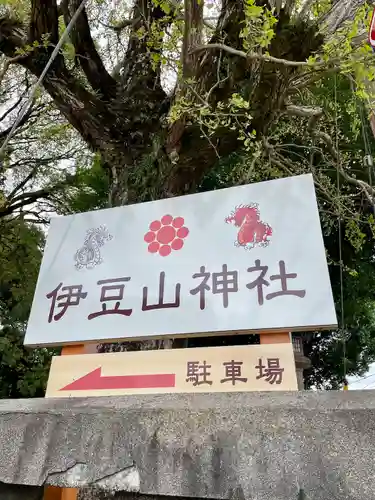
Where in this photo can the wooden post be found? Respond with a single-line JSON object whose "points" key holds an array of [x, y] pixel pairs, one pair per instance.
{"points": [[52, 492], [285, 338], [275, 338]]}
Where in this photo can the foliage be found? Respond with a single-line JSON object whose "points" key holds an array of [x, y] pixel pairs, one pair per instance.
{"points": [[326, 349], [89, 192], [184, 77], [20, 255], [355, 340], [39, 160], [259, 26], [23, 372], [175, 98]]}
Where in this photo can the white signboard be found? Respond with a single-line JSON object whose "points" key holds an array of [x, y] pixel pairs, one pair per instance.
{"points": [[248, 258]]}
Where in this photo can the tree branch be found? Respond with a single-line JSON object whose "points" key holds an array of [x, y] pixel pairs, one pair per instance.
{"points": [[304, 111], [12, 108], [43, 161], [272, 156], [22, 184], [84, 110], [7, 64], [36, 218], [28, 198], [4, 133], [250, 55], [126, 23], [86, 53], [314, 114]]}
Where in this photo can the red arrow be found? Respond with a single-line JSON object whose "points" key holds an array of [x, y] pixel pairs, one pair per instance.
{"points": [[95, 381]]}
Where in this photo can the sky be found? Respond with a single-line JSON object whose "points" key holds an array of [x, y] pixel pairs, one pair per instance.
{"points": [[367, 381]]}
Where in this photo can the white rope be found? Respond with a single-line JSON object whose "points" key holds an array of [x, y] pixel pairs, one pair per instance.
{"points": [[40, 79]]}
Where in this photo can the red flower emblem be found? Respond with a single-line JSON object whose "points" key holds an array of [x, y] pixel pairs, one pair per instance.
{"points": [[166, 234]]}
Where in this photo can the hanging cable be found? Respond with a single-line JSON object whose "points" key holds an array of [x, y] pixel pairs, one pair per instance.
{"points": [[363, 378], [338, 186], [369, 163], [29, 101]]}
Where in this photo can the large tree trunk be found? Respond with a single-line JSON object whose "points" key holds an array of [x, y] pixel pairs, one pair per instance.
{"points": [[120, 117]]}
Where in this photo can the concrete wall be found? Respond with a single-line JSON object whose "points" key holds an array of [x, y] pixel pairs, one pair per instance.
{"points": [[263, 446]]}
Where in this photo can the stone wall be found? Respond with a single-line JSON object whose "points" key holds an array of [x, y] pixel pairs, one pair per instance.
{"points": [[263, 446]]}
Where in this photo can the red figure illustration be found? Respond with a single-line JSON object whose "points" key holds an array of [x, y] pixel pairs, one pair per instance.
{"points": [[253, 232], [166, 234]]}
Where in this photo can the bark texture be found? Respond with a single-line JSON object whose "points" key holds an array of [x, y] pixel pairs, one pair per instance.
{"points": [[120, 117], [123, 116]]}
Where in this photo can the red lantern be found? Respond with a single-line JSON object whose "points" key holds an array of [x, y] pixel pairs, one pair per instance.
{"points": [[371, 35]]}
